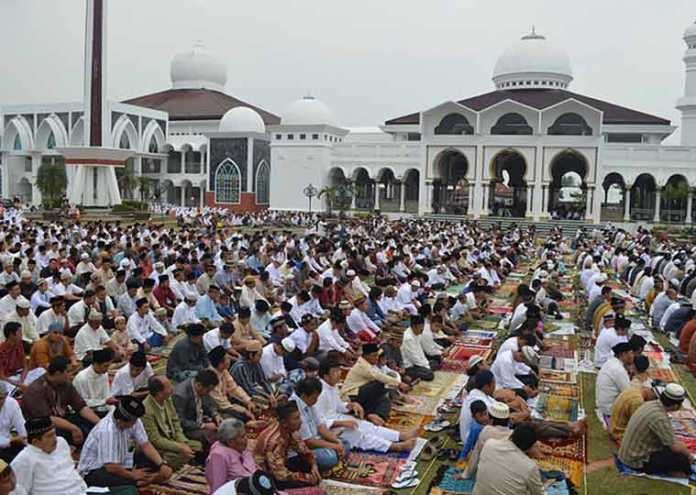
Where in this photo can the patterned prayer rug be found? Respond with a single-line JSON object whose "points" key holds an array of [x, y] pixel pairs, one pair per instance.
{"points": [[567, 448], [499, 310], [473, 340], [188, 480], [368, 470], [425, 396], [575, 470], [337, 488], [561, 389], [484, 334], [309, 490], [690, 443], [557, 408], [664, 374], [556, 376], [487, 324], [449, 484], [405, 421], [684, 423]]}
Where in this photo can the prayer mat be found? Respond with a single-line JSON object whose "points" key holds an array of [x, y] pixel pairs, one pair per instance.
{"points": [[455, 289], [487, 324], [664, 374], [658, 359], [574, 470], [449, 484], [560, 389], [568, 448], [426, 396], [556, 376], [690, 443], [499, 310], [684, 423], [484, 334], [405, 421], [472, 340], [337, 488], [369, 470], [462, 352], [188, 480], [557, 408], [309, 490]]}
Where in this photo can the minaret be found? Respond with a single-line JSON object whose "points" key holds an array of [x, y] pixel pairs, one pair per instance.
{"points": [[687, 104], [92, 178]]}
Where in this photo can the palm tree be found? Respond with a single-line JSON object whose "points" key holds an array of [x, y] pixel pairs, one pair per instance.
{"points": [[330, 193], [127, 181], [146, 188], [52, 182]]}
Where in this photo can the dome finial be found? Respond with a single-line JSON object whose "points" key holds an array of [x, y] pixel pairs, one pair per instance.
{"points": [[533, 35]]}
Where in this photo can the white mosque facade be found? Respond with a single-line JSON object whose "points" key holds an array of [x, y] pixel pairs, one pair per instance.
{"points": [[530, 148]]}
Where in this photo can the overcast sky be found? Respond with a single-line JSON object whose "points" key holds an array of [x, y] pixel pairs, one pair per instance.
{"points": [[368, 60]]}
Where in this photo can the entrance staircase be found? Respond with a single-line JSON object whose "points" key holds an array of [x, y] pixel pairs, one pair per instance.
{"points": [[543, 228]]}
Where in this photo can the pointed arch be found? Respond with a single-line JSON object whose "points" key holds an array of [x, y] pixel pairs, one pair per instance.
{"points": [[51, 134], [263, 183], [18, 135], [228, 183], [153, 138], [77, 135], [124, 125]]}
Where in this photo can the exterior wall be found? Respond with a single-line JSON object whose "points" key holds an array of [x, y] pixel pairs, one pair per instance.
{"points": [[248, 203]]}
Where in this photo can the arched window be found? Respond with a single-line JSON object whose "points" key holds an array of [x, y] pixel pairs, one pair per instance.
{"points": [[263, 184], [227, 182], [17, 143], [511, 124], [454, 123], [51, 143], [570, 124], [153, 147], [124, 142]]}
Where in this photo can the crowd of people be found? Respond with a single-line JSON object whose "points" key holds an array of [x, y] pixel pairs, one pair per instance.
{"points": [[307, 335]]}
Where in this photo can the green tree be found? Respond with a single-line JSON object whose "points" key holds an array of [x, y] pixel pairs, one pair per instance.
{"points": [[52, 182], [147, 188], [126, 179]]}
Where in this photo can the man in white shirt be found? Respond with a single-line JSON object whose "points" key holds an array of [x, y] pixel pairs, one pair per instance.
{"points": [[185, 312], [272, 362], [668, 312], [11, 418], [415, 361], [615, 330], [220, 337], [92, 383], [305, 337], [57, 313], [8, 303], [144, 328], [41, 299], [92, 336], [79, 312], [358, 433], [361, 324], [330, 338], [484, 387], [23, 315], [504, 370], [613, 378], [646, 284], [45, 466], [406, 296], [131, 379]]}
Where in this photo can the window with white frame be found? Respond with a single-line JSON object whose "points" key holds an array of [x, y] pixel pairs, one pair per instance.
{"points": [[263, 184], [228, 182]]}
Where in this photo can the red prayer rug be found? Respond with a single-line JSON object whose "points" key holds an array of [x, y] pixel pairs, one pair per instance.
{"points": [[367, 470]]}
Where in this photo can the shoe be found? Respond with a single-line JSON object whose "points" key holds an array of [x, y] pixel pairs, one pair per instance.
{"points": [[409, 466], [411, 483], [405, 476], [428, 453]]}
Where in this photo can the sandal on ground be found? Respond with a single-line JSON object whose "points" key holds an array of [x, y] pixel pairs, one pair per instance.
{"points": [[411, 483], [428, 453]]}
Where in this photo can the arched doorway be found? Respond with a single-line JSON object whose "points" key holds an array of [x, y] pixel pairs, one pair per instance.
{"points": [[673, 200], [364, 190], [24, 191], [168, 193], [613, 200], [411, 183], [450, 187], [389, 191], [568, 190], [508, 190], [643, 198], [341, 194]]}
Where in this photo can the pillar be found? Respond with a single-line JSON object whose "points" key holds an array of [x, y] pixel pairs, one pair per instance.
{"points": [[183, 160], [353, 199], [402, 196], [528, 208], [627, 204], [658, 200], [689, 201], [484, 199], [35, 191], [544, 212], [588, 202], [183, 195], [376, 185], [470, 202]]}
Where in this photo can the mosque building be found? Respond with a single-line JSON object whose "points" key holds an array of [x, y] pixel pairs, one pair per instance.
{"points": [[531, 148]]}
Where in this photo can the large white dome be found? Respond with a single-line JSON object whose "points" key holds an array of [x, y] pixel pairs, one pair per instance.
{"points": [[532, 62], [197, 69], [307, 111], [690, 31], [243, 120]]}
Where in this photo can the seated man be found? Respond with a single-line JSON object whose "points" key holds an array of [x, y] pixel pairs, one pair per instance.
{"points": [[367, 385], [46, 466], [415, 362], [92, 336], [230, 398], [188, 356], [13, 363], [52, 395], [615, 330], [359, 323], [327, 448], [28, 321], [50, 346], [649, 444], [132, 378], [274, 446], [229, 458], [243, 331], [248, 373], [185, 312], [505, 467], [504, 370], [163, 426], [11, 418], [499, 428], [625, 405], [196, 409], [92, 383], [220, 336], [144, 328], [273, 363], [613, 378], [106, 459], [334, 413]]}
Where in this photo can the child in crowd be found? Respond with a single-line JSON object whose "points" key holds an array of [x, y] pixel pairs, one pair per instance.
{"points": [[479, 414]]}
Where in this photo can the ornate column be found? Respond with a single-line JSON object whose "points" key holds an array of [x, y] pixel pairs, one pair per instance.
{"points": [[529, 208], [484, 205], [689, 205], [544, 201], [183, 195], [376, 205], [183, 161], [627, 203], [470, 203], [658, 200], [588, 202]]}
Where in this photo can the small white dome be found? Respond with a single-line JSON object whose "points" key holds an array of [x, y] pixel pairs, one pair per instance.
{"points": [[307, 111], [197, 69], [532, 62], [243, 120]]}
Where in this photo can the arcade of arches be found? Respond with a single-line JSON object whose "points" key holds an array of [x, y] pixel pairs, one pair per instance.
{"points": [[384, 192]]}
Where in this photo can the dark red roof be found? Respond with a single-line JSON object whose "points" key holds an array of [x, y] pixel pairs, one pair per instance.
{"points": [[544, 98], [196, 104]]}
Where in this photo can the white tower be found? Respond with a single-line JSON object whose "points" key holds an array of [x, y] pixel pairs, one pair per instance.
{"points": [[687, 104]]}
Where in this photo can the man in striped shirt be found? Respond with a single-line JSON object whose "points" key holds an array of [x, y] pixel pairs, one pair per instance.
{"points": [[649, 444]]}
